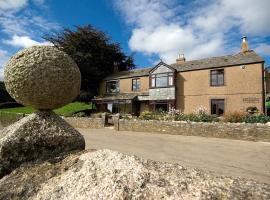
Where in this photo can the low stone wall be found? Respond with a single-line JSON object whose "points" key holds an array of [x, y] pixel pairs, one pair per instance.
{"points": [[9, 118], [253, 132], [78, 122], [85, 122]]}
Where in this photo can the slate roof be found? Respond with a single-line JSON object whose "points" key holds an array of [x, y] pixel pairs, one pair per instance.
{"points": [[207, 63], [129, 73], [221, 61]]}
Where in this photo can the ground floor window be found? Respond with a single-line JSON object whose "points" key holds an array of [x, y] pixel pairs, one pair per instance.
{"points": [[161, 106], [125, 106], [120, 106], [217, 106]]}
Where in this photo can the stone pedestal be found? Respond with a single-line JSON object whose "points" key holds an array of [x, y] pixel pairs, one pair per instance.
{"points": [[39, 136]]}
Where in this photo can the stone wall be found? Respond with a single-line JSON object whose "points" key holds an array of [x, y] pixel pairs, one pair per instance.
{"points": [[85, 122], [7, 119], [253, 132]]}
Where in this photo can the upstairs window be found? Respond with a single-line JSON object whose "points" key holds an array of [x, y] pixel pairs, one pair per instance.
{"points": [[217, 77], [112, 87], [161, 80], [136, 84]]}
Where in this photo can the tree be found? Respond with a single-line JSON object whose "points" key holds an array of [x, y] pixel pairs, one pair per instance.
{"points": [[94, 53], [4, 96]]}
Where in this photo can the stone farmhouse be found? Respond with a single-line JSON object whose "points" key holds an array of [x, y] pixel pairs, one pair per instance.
{"points": [[220, 84]]}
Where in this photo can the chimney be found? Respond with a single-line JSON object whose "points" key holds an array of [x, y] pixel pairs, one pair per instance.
{"points": [[244, 46], [115, 67], [181, 59]]}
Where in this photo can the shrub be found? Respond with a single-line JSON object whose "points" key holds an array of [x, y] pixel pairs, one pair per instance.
{"points": [[257, 119], [197, 118], [235, 117], [147, 116], [201, 110], [97, 115], [79, 114], [208, 118]]}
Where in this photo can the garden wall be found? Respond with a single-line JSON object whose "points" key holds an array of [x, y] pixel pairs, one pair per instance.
{"points": [[9, 118], [254, 132], [78, 122], [85, 122]]}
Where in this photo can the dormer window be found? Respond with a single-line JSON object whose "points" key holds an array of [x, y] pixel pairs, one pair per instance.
{"points": [[161, 80], [112, 86]]}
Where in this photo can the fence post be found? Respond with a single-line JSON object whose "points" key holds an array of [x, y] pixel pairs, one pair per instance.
{"points": [[103, 116], [116, 121]]}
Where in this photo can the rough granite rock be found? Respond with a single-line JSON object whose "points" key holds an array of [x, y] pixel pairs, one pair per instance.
{"points": [[39, 136], [106, 174], [42, 77]]}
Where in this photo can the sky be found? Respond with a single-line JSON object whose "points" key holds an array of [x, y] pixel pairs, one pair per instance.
{"points": [[149, 29]]}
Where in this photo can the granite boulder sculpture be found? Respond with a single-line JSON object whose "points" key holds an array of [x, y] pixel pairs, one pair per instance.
{"points": [[45, 78]]}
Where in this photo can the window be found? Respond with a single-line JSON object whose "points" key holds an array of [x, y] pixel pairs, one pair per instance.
{"points": [[217, 106], [161, 106], [136, 84], [121, 106], [125, 106], [161, 80], [112, 87], [217, 77]]}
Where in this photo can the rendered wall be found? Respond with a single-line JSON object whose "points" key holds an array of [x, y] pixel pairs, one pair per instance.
{"points": [[243, 88]]}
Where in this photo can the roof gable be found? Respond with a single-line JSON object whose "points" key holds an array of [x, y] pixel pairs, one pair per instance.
{"points": [[161, 67]]}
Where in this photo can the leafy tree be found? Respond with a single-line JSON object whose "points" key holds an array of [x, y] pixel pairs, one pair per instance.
{"points": [[4, 96], [94, 53]]}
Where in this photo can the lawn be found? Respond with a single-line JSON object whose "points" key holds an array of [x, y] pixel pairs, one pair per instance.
{"points": [[66, 110], [267, 104]]}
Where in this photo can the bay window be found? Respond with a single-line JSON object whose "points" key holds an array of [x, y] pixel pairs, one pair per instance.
{"points": [[161, 80]]}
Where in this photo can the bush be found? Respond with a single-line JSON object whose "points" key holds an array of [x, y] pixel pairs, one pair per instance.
{"points": [[97, 115], [79, 114], [257, 119], [197, 118], [147, 116], [235, 117]]}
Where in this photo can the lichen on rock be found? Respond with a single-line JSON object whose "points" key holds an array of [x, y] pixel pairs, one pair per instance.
{"points": [[39, 136], [42, 77], [107, 174]]}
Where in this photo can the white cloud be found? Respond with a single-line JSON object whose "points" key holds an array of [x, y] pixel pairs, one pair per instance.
{"points": [[12, 4], [3, 59], [24, 41], [199, 29], [263, 49]]}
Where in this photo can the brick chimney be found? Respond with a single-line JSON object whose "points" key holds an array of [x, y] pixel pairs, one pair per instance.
{"points": [[181, 59], [244, 46]]}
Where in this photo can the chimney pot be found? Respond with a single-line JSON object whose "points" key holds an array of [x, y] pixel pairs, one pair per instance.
{"points": [[244, 46], [181, 58]]}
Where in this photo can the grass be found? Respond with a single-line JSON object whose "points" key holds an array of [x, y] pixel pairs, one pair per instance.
{"points": [[66, 110], [267, 104]]}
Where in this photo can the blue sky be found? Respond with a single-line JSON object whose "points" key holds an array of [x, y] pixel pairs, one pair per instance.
{"points": [[152, 29]]}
